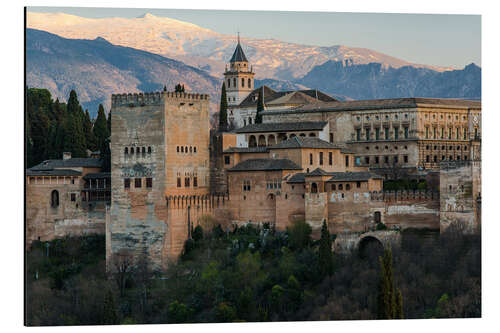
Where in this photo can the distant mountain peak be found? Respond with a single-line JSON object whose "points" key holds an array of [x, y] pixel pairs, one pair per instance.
{"points": [[147, 16]]}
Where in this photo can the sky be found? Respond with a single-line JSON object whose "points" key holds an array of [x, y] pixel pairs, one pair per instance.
{"points": [[431, 39]]}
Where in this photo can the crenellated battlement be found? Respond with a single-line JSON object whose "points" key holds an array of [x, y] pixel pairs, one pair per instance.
{"points": [[154, 98], [404, 195]]}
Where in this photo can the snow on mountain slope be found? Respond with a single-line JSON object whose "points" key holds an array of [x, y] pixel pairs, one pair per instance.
{"points": [[205, 48]]}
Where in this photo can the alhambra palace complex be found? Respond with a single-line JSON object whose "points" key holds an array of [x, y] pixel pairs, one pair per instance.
{"points": [[312, 158]]}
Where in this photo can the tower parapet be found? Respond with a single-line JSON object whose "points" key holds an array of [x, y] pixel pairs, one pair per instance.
{"points": [[153, 98]]}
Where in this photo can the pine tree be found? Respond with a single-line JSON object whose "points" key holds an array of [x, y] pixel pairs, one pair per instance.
{"points": [[325, 251], [260, 106], [223, 110]]}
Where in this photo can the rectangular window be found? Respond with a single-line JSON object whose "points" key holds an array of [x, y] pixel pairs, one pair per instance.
{"points": [[442, 132], [195, 181], [367, 132], [331, 137], [347, 161], [465, 133], [386, 129], [358, 184], [396, 133], [406, 132], [227, 160], [358, 134], [386, 159], [178, 181], [458, 133], [367, 159], [330, 158], [449, 133], [186, 182], [320, 158], [377, 133], [376, 160], [149, 182], [405, 158], [395, 159], [310, 159], [138, 183], [73, 197], [126, 183], [427, 132], [435, 133]]}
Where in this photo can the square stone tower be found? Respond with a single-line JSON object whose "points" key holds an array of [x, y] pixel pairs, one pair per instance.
{"points": [[159, 149]]}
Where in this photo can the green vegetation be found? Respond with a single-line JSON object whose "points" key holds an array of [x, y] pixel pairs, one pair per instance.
{"points": [[223, 109], [260, 106], [53, 128], [404, 184], [255, 273], [179, 88]]}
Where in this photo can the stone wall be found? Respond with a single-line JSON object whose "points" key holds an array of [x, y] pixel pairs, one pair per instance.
{"points": [[70, 218], [460, 187]]}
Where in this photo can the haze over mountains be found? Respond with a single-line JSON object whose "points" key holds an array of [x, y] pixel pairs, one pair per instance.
{"points": [[142, 59]]}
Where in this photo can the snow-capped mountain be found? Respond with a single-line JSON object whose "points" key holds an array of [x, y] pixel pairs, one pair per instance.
{"points": [[206, 49]]}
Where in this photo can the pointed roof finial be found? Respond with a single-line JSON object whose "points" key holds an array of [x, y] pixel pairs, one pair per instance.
{"points": [[238, 37]]}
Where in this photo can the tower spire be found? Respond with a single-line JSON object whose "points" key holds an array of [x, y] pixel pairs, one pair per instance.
{"points": [[238, 37]]}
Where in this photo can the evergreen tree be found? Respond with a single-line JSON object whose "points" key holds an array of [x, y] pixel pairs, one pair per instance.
{"points": [[87, 130], [390, 301], [223, 110], [100, 129], [75, 138], [109, 122], [260, 106], [325, 251], [179, 88]]}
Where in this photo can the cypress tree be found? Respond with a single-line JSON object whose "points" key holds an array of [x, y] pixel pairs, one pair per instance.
{"points": [[109, 122], [100, 129], [260, 106], [87, 130], [390, 301], [325, 251], [223, 109], [75, 138]]}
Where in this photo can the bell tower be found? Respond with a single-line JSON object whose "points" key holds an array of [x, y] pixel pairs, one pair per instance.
{"points": [[239, 77]]}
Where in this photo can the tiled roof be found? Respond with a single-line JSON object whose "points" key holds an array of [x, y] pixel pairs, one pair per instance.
{"points": [[297, 178], [246, 150], [305, 142], [376, 104], [265, 164], [69, 163], [318, 172], [283, 97], [352, 176], [53, 172], [283, 127], [97, 175], [238, 54]]}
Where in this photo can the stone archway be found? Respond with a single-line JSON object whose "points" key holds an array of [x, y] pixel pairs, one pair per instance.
{"points": [[252, 141], [370, 247], [271, 140], [262, 141]]}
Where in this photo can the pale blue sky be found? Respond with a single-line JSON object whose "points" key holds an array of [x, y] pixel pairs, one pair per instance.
{"points": [[440, 40]]}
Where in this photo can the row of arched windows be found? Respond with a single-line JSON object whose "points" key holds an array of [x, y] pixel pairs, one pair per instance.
{"points": [[436, 159], [186, 149], [242, 83], [137, 150]]}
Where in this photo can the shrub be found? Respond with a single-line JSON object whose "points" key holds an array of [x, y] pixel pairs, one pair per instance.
{"points": [[299, 234]]}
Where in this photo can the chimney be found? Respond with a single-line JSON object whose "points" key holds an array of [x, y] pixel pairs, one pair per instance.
{"points": [[66, 155]]}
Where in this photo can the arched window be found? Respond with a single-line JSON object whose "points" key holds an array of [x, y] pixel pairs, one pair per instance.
{"points": [[262, 141], [377, 217], [314, 188], [242, 82], [143, 150], [348, 187], [334, 188], [252, 142], [249, 83], [54, 199], [149, 150], [126, 150], [194, 149], [186, 149], [132, 150], [190, 149], [182, 149]]}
